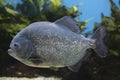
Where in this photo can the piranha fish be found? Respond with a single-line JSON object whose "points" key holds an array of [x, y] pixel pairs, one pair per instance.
{"points": [[55, 44]]}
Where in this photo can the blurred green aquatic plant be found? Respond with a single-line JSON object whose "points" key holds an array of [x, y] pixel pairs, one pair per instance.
{"points": [[31, 11], [45, 10]]}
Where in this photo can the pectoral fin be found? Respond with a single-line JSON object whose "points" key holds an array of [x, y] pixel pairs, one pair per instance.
{"points": [[36, 61]]}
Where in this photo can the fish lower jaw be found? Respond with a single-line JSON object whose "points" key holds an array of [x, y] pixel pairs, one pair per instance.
{"points": [[11, 53]]}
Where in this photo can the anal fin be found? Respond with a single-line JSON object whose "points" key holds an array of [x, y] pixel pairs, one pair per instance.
{"points": [[76, 67]]}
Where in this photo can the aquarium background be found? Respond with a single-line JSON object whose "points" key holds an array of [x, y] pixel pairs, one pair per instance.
{"points": [[89, 15]]}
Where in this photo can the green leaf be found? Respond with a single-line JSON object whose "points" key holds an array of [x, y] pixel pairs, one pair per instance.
{"points": [[11, 11], [31, 1], [2, 2], [56, 3], [33, 4], [114, 52], [88, 20], [75, 7]]}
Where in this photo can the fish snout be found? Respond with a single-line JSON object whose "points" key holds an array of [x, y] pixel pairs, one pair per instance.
{"points": [[10, 51]]}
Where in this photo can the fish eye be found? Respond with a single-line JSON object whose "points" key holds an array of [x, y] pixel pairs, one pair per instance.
{"points": [[16, 45]]}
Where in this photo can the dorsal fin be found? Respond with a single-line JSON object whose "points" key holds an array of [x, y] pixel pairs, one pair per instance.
{"points": [[69, 23]]}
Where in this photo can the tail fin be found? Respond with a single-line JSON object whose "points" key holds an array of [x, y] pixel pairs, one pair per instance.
{"points": [[99, 36]]}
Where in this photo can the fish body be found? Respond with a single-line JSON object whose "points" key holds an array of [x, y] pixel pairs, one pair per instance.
{"points": [[47, 44]]}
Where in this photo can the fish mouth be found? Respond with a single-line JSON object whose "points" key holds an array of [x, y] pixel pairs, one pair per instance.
{"points": [[13, 54], [10, 51]]}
